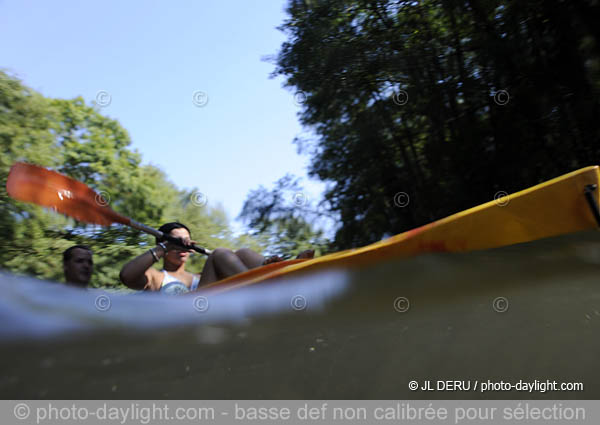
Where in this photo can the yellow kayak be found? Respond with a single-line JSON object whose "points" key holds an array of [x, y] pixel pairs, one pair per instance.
{"points": [[562, 205]]}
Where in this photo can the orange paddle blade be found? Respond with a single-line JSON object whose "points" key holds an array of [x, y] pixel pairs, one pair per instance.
{"points": [[37, 185]]}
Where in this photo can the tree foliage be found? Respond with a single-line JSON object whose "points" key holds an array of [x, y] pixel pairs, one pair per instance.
{"points": [[75, 139], [447, 101], [283, 219]]}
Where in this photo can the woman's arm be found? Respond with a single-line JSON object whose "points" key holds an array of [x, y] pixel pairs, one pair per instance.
{"points": [[138, 273]]}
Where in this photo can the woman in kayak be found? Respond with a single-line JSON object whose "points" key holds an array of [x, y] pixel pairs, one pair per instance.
{"points": [[221, 263], [139, 273]]}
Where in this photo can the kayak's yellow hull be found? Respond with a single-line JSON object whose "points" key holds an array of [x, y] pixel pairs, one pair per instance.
{"points": [[555, 207]]}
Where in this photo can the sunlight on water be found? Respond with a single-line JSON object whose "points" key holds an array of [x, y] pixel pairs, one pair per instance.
{"points": [[41, 309]]}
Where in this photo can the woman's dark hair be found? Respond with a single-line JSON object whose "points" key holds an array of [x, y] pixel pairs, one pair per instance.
{"points": [[167, 227]]}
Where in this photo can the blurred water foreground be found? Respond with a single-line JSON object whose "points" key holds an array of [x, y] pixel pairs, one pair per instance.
{"points": [[521, 313]]}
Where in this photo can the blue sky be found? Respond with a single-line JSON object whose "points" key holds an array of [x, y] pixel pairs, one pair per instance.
{"points": [[151, 57]]}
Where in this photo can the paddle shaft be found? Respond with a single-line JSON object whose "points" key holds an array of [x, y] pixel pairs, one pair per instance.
{"points": [[160, 235]]}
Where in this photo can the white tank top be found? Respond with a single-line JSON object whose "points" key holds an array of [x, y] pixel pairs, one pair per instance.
{"points": [[170, 279]]}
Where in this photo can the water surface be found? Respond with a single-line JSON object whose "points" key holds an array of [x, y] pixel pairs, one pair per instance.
{"points": [[525, 312]]}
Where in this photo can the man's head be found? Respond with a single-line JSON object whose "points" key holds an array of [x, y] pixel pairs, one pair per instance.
{"points": [[78, 265]]}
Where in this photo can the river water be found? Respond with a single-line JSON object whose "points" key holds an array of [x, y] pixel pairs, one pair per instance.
{"points": [[524, 313]]}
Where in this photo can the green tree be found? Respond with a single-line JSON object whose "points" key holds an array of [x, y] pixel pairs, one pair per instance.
{"points": [[75, 139], [281, 219], [447, 101]]}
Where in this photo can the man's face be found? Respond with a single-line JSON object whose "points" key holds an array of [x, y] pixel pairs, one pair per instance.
{"points": [[78, 269]]}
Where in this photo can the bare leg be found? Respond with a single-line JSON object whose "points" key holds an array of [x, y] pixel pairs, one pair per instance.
{"points": [[220, 264], [250, 258], [209, 274], [223, 263]]}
